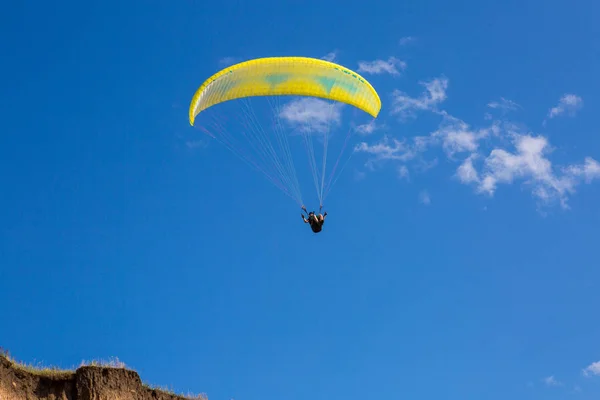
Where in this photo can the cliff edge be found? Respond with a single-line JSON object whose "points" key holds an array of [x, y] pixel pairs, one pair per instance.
{"points": [[84, 383]]}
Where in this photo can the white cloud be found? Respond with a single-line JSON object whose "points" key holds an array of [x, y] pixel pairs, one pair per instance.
{"points": [[385, 150], [406, 106], [504, 105], [368, 128], [467, 173], [403, 172], [453, 134], [406, 40], [551, 381], [589, 171], [423, 165], [529, 162], [392, 66], [330, 56], [312, 114], [568, 104], [424, 198], [458, 137], [592, 370]]}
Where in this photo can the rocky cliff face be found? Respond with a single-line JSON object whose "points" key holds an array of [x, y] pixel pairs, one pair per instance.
{"points": [[85, 383]]}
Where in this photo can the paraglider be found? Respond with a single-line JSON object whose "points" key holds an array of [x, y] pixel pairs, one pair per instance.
{"points": [[272, 78], [316, 221]]}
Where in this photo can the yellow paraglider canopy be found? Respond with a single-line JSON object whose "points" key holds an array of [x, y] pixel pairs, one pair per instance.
{"points": [[296, 76]]}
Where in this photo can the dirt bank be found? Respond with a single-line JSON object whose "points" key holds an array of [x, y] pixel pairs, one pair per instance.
{"points": [[85, 383]]}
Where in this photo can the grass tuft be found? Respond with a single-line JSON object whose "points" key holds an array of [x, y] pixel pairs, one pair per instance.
{"points": [[190, 396], [61, 373], [113, 362], [37, 369]]}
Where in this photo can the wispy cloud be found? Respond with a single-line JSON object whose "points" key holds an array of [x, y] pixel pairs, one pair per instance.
{"points": [[467, 173], [392, 66], [331, 56], [423, 165], [592, 370], [504, 105], [387, 149], [403, 172], [453, 135], [569, 104], [311, 114], [435, 93], [457, 136], [551, 381], [406, 40], [588, 171], [368, 128], [424, 198]]}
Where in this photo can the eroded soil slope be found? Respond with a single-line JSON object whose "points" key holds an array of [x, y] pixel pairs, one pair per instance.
{"points": [[85, 383]]}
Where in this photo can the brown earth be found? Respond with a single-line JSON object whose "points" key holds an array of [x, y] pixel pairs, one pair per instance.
{"points": [[84, 383]]}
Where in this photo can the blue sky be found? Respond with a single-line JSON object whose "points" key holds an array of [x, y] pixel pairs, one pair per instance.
{"points": [[459, 258]]}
